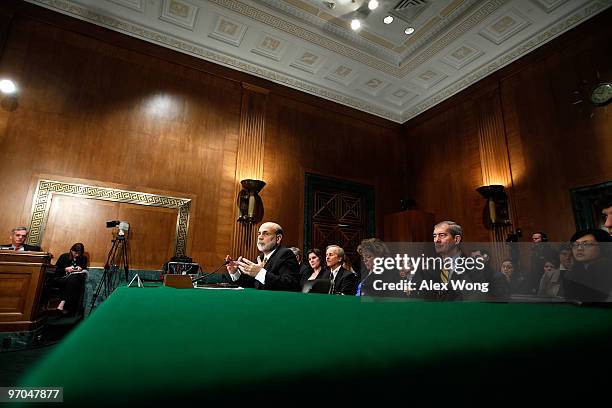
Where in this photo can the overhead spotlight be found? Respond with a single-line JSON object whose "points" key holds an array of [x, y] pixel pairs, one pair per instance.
{"points": [[372, 4], [355, 24], [409, 30], [7, 86], [388, 20], [330, 4]]}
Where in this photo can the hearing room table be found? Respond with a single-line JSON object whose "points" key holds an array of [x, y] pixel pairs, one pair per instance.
{"points": [[161, 344]]}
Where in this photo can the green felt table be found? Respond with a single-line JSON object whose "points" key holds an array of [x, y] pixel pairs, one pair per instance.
{"points": [[153, 343]]}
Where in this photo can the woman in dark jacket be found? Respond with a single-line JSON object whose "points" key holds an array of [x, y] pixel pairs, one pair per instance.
{"points": [[70, 274], [590, 280], [316, 261]]}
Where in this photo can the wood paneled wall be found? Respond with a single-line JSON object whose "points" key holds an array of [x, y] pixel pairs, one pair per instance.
{"points": [[302, 138], [526, 112], [108, 109]]}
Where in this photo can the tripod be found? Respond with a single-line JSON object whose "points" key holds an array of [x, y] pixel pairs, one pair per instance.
{"points": [[110, 277]]}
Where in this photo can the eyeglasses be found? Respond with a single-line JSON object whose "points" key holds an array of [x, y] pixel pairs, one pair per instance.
{"points": [[576, 245]]}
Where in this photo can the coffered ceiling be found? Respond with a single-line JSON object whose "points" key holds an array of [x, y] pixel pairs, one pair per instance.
{"points": [[309, 45]]}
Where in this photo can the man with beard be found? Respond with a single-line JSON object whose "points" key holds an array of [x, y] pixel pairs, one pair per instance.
{"points": [[276, 267], [447, 237]]}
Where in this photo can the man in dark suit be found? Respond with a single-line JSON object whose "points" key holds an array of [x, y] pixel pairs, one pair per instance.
{"points": [[343, 282], [18, 238], [276, 267], [447, 237], [305, 270]]}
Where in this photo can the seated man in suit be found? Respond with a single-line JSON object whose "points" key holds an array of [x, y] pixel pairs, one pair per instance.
{"points": [[436, 282], [18, 238], [304, 267], [276, 267], [343, 282]]}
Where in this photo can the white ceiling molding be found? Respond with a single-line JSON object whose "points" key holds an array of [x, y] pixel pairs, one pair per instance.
{"points": [[549, 5], [137, 5], [302, 44], [505, 27]]}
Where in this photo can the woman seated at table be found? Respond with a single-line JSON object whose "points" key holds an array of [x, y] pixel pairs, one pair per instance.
{"points": [[317, 266], [371, 282], [70, 274]]}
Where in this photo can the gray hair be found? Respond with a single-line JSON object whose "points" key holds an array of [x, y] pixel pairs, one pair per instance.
{"points": [[296, 251], [339, 251], [14, 230], [454, 228]]}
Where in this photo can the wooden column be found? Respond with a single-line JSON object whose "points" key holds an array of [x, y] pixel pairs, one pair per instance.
{"points": [[495, 161], [249, 162]]}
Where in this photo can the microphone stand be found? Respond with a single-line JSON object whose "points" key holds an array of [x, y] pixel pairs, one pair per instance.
{"points": [[207, 275]]}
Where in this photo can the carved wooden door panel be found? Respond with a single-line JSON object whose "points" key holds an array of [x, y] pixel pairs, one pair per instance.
{"points": [[338, 212]]}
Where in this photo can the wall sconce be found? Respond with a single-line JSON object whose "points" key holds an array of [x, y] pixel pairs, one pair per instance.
{"points": [[8, 95], [495, 212], [249, 202]]}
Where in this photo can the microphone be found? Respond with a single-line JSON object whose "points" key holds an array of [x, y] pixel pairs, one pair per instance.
{"points": [[208, 274]]}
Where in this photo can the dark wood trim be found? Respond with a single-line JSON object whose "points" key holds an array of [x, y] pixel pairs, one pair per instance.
{"points": [[6, 20]]}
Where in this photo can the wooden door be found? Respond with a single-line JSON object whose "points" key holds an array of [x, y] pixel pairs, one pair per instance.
{"points": [[338, 212]]}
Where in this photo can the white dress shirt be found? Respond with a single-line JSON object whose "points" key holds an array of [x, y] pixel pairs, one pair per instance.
{"points": [[261, 275]]}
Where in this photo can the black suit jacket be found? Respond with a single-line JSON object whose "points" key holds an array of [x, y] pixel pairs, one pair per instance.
{"points": [[432, 276], [345, 282], [25, 247], [282, 273]]}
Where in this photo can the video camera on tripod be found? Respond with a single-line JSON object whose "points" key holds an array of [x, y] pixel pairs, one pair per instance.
{"points": [[116, 259], [123, 226]]}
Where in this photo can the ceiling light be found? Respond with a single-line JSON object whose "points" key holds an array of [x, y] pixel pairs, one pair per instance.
{"points": [[388, 20], [372, 4], [409, 30], [330, 4], [355, 24], [7, 86]]}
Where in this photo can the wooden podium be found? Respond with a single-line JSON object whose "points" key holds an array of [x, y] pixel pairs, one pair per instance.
{"points": [[409, 226], [22, 275]]}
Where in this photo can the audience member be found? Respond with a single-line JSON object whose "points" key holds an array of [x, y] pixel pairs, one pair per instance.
{"points": [[276, 267], [550, 283], [500, 287], [566, 263], [590, 279], [69, 277], [369, 249], [605, 204], [447, 237], [507, 269], [304, 268], [348, 265], [540, 252], [343, 282], [316, 269], [18, 237]]}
